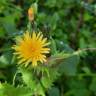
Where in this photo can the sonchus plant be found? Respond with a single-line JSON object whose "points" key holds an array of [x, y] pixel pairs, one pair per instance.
{"points": [[36, 72]]}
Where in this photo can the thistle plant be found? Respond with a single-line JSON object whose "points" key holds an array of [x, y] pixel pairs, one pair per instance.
{"points": [[37, 61], [30, 51]]}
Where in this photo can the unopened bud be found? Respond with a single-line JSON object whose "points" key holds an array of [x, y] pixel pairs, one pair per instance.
{"points": [[31, 14]]}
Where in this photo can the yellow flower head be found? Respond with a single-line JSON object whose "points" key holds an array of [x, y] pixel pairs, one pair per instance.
{"points": [[31, 48]]}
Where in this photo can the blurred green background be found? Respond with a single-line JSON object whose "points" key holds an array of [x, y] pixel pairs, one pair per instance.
{"points": [[72, 26]]}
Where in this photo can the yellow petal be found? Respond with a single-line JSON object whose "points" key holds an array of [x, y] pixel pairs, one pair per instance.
{"points": [[27, 63], [21, 61], [46, 51], [38, 35], [34, 62], [46, 44], [34, 36], [40, 38]]}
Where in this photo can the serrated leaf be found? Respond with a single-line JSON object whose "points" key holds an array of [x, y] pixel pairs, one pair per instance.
{"points": [[69, 65], [29, 79], [66, 63], [48, 80], [9, 90]]}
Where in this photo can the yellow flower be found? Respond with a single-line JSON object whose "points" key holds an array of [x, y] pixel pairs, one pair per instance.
{"points": [[31, 48]]}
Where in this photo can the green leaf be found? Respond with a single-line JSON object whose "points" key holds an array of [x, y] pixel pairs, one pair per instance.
{"points": [[54, 91], [78, 92], [53, 46], [2, 75], [35, 8], [28, 78], [9, 24], [5, 58], [86, 70], [69, 65], [3, 61], [53, 21], [76, 83], [9, 90], [87, 17], [66, 63], [48, 80], [2, 32], [51, 3], [93, 85], [32, 82], [82, 43]]}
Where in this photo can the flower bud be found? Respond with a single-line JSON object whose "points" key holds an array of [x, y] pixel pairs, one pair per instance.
{"points": [[31, 14]]}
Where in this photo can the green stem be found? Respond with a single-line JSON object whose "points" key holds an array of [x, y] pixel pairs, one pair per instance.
{"points": [[14, 78], [84, 74], [83, 50]]}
